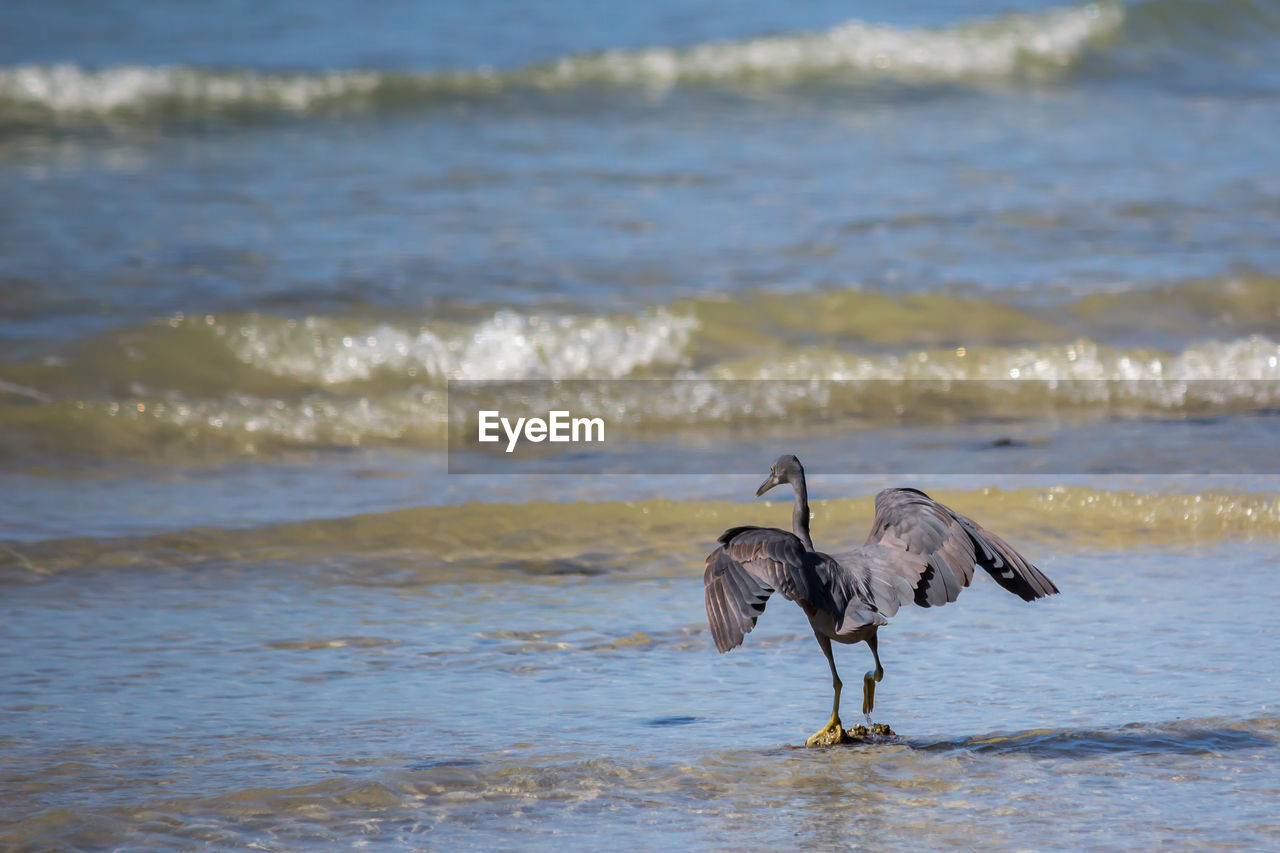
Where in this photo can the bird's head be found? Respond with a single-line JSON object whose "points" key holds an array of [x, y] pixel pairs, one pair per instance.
{"points": [[786, 470]]}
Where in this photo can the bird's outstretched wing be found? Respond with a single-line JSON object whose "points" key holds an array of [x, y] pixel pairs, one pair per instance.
{"points": [[754, 562], [887, 577], [916, 526]]}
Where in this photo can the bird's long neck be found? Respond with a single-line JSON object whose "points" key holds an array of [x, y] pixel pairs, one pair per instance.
{"points": [[800, 514]]}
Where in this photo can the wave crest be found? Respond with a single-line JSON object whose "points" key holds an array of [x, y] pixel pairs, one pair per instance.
{"points": [[257, 384], [996, 48], [992, 48], [508, 345], [69, 89]]}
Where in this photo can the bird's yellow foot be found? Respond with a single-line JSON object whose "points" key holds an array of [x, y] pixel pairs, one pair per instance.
{"points": [[831, 735]]}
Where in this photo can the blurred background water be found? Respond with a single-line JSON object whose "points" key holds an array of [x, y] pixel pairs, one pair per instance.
{"points": [[243, 249]]}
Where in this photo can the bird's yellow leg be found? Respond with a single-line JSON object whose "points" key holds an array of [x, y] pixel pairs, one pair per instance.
{"points": [[869, 681], [832, 732]]}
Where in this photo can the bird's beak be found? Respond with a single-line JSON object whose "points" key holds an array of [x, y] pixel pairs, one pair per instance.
{"points": [[767, 484]]}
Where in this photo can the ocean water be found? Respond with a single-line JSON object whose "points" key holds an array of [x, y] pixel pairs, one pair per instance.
{"points": [[1023, 256]]}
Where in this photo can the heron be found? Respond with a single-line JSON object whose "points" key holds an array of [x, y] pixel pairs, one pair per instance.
{"points": [[918, 551]]}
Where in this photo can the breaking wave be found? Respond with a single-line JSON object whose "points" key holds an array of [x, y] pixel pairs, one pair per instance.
{"points": [[187, 386], [994, 49], [508, 345], [1149, 37]]}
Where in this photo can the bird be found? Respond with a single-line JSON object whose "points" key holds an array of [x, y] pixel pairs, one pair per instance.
{"points": [[919, 551]]}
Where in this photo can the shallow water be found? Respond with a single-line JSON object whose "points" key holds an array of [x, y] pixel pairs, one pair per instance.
{"points": [[292, 704], [1023, 257]]}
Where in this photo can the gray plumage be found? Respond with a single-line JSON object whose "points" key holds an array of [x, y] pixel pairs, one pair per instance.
{"points": [[754, 562], [918, 551]]}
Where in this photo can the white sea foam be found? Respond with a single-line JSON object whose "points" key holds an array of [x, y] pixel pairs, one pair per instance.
{"points": [[508, 345], [993, 48], [70, 89], [1253, 358], [315, 419], [347, 400], [1240, 373], [385, 380]]}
